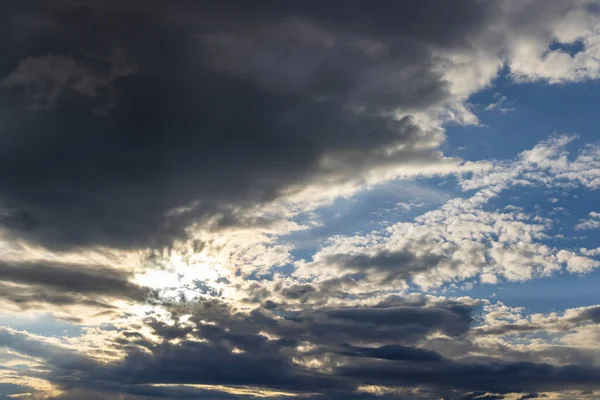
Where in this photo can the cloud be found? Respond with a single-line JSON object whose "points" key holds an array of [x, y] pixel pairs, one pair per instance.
{"points": [[533, 61], [237, 119], [532, 396], [323, 343], [225, 346], [400, 264], [191, 141], [592, 223], [261, 346], [486, 376], [220, 348], [547, 164], [67, 289], [234, 126], [52, 77], [393, 352], [462, 240], [456, 242], [500, 103]]}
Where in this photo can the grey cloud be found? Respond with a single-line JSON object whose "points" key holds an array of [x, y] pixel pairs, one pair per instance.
{"points": [[66, 284], [262, 361], [197, 128], [533, 396], [314, 293], [449, 321], [180, 364], [585, 315], [298, 291], [115, 184], [588, 314], [57, 356], [231, 106], [32, 297], [167, 331], [392, 352], [396, 265], [392, 321], [52, 77], [491, 376], [481, 396], [509, 328], [234, 351], [101, 391]]}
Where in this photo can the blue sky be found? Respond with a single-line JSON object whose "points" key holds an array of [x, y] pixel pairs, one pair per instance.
{"points": [[537, 110], [540, 109]]}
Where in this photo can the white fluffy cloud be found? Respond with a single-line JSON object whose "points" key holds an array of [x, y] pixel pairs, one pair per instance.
{"points": [[462, 240], [593, 222]]}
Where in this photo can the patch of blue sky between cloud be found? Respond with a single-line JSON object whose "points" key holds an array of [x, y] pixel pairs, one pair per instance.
{"points": [[12, 391], [561, 290], [540, 108], [571, 48], [545, 203], [386, 204], [42, 324], [566, 208]]}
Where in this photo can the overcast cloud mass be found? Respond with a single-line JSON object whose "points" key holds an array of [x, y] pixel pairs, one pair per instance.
{"points": [[301, 199]]}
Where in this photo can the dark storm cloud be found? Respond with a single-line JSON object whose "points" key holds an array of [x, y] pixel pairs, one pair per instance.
{"points": [[228, 107], [50, 78], [66, 284], [390, 321], [64, 362], [113, 182]]}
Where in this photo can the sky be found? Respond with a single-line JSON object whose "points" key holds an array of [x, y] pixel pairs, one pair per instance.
{"points": [[392, 200]]}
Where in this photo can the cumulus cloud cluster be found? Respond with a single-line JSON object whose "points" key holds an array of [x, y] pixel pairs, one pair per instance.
{"points": [[462, 239]]}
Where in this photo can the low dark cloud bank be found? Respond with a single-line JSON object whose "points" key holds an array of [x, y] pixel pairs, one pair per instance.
{"points": [[223, 346]]}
